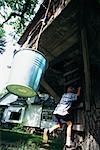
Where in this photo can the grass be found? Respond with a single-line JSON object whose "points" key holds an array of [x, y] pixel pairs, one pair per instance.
{"points": [[11, 140]]}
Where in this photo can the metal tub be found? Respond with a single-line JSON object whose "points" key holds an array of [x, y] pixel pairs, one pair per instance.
{"points": [[27, 69]]}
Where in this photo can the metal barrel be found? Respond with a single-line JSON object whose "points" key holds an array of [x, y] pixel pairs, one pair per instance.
{"points": [[27, 69]]}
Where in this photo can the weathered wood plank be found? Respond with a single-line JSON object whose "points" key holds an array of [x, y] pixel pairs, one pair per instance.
{"points": [[49, 89], [86, 69], [72, 81], [70, 72]]}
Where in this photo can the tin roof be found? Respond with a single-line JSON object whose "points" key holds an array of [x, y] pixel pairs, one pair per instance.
{"points": [[8, 99]]}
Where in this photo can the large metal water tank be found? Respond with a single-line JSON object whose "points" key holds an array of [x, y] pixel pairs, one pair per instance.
{"points": [[27, 69]]}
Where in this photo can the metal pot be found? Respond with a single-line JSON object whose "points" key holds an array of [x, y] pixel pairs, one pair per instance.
{"points": [[27, 69]]}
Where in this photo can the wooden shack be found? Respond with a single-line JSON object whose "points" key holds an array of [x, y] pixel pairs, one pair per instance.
{"points": [[70, 42]]}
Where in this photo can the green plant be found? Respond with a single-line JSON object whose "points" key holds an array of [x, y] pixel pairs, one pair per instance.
{"points": [[18, 127]]}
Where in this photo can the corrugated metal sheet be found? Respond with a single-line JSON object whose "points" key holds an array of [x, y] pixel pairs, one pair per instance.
{"points": [[8, 99], [32, 117]]}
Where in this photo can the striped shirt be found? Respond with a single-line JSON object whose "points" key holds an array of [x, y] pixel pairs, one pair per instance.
{"points": [[65, 103]]}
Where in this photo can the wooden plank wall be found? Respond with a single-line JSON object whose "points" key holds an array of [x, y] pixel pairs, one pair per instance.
{"points": [[92, 99]]}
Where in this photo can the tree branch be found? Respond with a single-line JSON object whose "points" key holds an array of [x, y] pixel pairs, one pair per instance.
{"points": [[13, 14]]}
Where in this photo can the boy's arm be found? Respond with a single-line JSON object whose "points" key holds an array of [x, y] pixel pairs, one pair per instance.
{"points": [[79, 91], [77, 102]]}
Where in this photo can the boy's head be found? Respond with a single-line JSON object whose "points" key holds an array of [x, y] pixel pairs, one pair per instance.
{"points": [[70, 89]]}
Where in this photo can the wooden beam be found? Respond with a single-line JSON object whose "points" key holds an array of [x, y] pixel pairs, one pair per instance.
{"points": [[39, 15], [67, 56], [59, 48], [86, 69], [62, 46], [72, 81], [68, 63], [70, 72], [50, 90]]}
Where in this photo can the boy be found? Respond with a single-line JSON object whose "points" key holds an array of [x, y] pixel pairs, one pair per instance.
{"points": [[62, 115]]}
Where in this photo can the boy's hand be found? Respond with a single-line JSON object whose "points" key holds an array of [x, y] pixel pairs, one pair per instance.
{"points": [[79, 88], [78, 91]]}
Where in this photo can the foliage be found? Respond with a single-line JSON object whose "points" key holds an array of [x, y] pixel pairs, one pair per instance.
{"points": [[11, 140], [17, 13], [18, 127], [2, 45], [3, 92], [2, 40], [2, 33], [98, 1]]}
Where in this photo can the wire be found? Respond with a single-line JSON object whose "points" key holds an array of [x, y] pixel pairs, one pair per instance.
{"points": [[43, 23]]}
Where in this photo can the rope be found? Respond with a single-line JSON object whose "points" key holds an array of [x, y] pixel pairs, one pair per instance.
{"points": [[43, 23]]}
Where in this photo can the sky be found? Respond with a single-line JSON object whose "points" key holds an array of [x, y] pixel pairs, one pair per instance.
{"points": [[6, 58]]}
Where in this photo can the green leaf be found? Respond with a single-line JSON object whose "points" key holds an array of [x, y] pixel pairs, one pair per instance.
{"points": [[14, 12], [2, 32]]}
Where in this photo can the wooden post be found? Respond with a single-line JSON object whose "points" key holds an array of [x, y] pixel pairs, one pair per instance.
{"points": [[86, 69], [50, 90]]}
